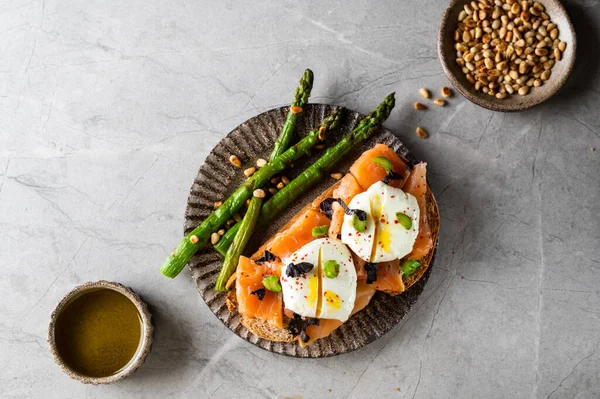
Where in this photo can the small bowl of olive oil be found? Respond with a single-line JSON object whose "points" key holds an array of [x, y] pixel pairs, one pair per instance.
{"points": [[100, 332]]}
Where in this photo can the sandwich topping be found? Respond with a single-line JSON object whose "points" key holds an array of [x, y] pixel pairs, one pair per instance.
{"points": [[392, 224], [327, 208], [371, 269], [298, 325], [298, 269], [268, 257], [328, 290], [387, 165], [260, 293]]}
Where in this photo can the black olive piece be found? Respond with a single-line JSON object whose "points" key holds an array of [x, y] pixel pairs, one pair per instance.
{"points": [[371, 269], [260, 293], [298, 269]]}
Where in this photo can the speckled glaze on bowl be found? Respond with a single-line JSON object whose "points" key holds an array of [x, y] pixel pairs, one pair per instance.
{"points": [[216, 180], [143, 348], [537, 95]]}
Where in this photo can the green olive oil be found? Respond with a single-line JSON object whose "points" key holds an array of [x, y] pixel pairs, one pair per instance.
{"points": [[98, 332]]}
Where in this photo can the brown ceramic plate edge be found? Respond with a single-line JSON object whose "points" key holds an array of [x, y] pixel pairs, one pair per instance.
{"points": [[515, 103], [217, 178]]}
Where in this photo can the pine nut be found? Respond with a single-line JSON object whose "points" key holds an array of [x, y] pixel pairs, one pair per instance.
{"points": [[562, 46], [218, 204], [439, 102], [422, 133], [259, 193], [235, 161], [446, 92], [557, 54], [336, 176], [214, 238], [193, 239], [250, 171], [505, 46], [261, 162], [524, 90], [424, 92], [419, 106]]}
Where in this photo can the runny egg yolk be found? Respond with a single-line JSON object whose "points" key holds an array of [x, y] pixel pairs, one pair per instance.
{"points": [[385, 238], [333, 300]]}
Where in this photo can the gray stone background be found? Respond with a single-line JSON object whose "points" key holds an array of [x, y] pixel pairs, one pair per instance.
{"points": [[107, 109]]}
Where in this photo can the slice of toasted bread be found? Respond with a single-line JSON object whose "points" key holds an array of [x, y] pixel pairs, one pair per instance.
{"points": [[265, 330]]}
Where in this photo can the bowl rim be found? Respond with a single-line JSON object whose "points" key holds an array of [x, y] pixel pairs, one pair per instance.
{"points": [[141, 352], [475, 97]]}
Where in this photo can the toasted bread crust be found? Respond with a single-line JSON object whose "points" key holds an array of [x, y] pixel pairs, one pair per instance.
{"points": [[263, 329]]}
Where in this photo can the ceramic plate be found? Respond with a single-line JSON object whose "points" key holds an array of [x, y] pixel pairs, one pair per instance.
{"points": [[217, 179]]}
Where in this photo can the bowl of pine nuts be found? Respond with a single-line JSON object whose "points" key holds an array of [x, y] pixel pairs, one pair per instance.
{"points": [[507, 55]]}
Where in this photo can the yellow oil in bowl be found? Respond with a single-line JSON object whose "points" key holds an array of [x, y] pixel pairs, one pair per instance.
{"points": [[98, 332]]}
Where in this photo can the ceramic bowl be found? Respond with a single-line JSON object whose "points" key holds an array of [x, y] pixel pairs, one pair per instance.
{"points": [[142, 350], [515, 102]]}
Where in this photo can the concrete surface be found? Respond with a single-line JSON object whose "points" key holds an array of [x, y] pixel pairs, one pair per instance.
{"points": [[107, 109]]}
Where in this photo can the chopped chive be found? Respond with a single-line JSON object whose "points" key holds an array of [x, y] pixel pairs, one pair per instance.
{"points": [[319, 231], [358, 224], [404, 220], [409, 266], [384, 163], [272, 283], [332, 269]]}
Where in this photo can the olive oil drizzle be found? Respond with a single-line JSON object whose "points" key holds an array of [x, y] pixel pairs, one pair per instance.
{"points": [[98, 332]]}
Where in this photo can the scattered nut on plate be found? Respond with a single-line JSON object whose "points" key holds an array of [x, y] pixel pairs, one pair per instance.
{"points": [[506, 47], [235, 161], [419, 106]]}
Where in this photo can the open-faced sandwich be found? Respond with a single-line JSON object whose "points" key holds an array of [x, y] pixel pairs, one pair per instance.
{"points": [[373, 230]]}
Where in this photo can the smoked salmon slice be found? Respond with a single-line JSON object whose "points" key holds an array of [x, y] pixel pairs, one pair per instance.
{"points": [[359, 265], [368, 172], [298, 234], [364, 293], [389, 278], [346, 190], [417, 186], [249, 279]]}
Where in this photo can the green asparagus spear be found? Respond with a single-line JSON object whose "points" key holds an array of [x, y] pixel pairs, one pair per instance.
{"points": [[250, 218], [222, 246], [239, 243], [313, 173], [198, 237], [300, 100]]}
